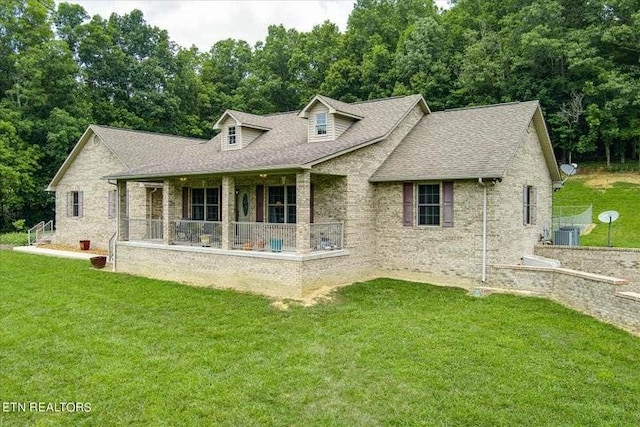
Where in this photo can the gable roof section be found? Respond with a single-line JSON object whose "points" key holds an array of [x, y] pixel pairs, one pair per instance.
{"points": [[466, 143], [244, 119], [334, 106], [285, 146], [132, 148]]}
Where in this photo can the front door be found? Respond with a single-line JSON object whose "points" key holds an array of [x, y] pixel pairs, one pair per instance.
{"points": [[243, 211]]}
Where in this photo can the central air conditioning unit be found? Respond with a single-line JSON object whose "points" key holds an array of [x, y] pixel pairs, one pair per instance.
{"points": [[567, 236]]}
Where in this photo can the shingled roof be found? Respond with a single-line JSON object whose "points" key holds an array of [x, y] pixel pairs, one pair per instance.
{"points": [[453, 144], [467, 143], [245, 119], [284, 146], [132, 148]]}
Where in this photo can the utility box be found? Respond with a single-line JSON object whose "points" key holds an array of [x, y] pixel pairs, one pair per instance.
{"points": [[567, 236]]}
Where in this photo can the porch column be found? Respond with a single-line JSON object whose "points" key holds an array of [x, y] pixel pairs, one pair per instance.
{"points": [[228, 211], [123, 217], [168, 210], [303, 212]]}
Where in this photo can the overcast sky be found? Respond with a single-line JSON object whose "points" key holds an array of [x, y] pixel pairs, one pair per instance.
{"points": [[203, 22]]}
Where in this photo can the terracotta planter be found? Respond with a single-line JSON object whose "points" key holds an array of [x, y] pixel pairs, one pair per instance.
{"points": [[98, 261], [84, 245]]}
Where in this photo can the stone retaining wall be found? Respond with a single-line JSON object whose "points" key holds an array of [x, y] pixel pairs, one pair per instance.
{"points": [[616, 262], [603, 297]]}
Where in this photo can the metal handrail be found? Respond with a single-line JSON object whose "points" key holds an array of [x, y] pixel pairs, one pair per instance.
{"points": [[38, 226], [111, 250]]}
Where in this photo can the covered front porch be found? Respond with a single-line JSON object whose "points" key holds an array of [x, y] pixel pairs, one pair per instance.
{"points": [[283, 212]]}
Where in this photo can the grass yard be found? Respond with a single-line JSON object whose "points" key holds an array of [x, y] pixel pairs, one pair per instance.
{"points": [[606, 191], [385, 352]]}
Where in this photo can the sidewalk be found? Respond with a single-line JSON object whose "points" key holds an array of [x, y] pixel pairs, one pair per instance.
{"points": [[53, 252]]}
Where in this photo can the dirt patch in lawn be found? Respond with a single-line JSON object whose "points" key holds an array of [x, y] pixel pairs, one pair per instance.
{"points": [[71, 248], [606, 180]]}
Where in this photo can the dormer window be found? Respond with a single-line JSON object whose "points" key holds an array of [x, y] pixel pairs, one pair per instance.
{"points": [[231, 137], [321, 124]]}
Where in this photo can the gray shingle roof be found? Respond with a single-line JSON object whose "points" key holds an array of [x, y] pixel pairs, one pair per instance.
{"points": [[460, 144], [136, 148], [247, 119], [341, 107], [285, 146]]}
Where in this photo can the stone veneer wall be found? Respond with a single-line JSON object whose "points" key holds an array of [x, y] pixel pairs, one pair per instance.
{"points": [[606, 298]]}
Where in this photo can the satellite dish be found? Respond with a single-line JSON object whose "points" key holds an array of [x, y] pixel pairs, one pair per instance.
{"points": [[608, 217], [569, 169]]}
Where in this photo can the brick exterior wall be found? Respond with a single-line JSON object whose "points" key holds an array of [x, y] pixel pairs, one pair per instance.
{"points": [[278, 275], [456, 252], [93, 162], [375, 240], [509, 238]]}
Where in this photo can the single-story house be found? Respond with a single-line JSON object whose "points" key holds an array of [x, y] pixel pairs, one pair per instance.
{"points": [[283, 204]]}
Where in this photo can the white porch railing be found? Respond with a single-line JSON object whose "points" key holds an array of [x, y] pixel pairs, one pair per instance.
{"points": [[145, 229], [40, 232], [264, 236], [274, 237], [327, 236], [197, 233]]}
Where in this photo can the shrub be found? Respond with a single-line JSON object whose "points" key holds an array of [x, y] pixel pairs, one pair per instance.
{"points": [[14, 239], [19, 225]]}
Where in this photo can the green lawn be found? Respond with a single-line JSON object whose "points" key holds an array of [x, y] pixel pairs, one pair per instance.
{"points": [[385, 352], [623, 197]]}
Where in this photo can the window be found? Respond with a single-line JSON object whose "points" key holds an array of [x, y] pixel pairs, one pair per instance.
{"points": [[205, 204], [429, 204], [529, 205], [435, 204], [231, 139], [74, 204], [321, 124], [111, 204], [281, 204]]}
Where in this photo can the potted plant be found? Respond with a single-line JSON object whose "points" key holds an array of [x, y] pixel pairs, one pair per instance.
{"points": [[98, 261]]}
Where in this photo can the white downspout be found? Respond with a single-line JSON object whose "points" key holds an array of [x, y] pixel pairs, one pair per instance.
{"points": [[484, 230], [116, 233]]}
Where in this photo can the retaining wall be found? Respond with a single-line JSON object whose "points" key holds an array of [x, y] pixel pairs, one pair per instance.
{"points": [[616, 262], [603, 297]]}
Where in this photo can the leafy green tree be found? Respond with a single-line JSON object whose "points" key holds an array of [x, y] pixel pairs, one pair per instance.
{"points": [[423, 62], [18, 161]]}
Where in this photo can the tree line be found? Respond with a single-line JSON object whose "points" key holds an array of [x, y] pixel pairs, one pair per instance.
{"points": [[61, 70]]}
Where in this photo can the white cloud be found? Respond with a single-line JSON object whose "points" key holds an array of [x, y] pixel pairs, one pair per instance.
{"points": [[204, 22]]}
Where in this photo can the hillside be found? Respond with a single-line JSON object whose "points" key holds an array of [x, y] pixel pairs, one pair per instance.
{"points": [[618, 191]]}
